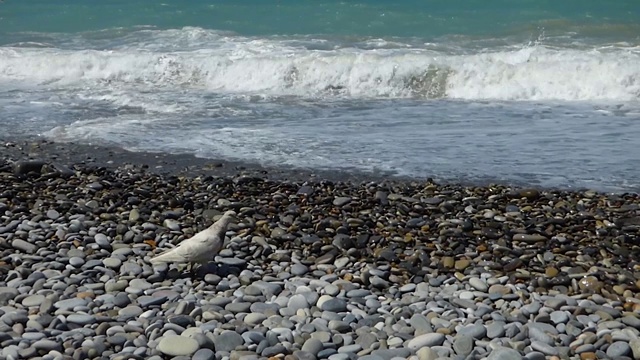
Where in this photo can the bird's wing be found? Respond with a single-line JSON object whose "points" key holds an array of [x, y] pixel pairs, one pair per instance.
{"points": [[185, 252]]}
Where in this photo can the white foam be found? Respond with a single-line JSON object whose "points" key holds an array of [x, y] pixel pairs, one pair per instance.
{"points": [[222, 63]]}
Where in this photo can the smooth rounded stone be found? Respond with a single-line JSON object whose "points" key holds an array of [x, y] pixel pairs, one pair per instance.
{"points": [[388, 354], [531, 308], [339, 356], [255, 318], [6, 294], [76, 261], [47, 345], [618, 349], [312, 346], [339, 326], [69, 304], [121, 300], [141, 284], [544, 348], [33, 336], [373, 304], [175, 345], [535, 355], [274, 350], [227, 341], [463, 345], [298, 301], [341, 200], [130, 312], [635, 348], [585, 348], [204, 354], [299, 269], [478, 284], [629, 320], [529, 238], [496, 329], [33, 300], [358, 293], [559, 317], [502, 353], [555, 303], [112, 262], [466, 295], [238, 307], [24, 246], [340, 263], [426, 353], [420, 323], [53, 214], [114, 286], [322, 336], [102, 241], [328, 303], [331, 290], [366, 340], [232, 261], [430, 340], [81, 319], [407, 288], [475, 331], [541, 332], [353, 348]]}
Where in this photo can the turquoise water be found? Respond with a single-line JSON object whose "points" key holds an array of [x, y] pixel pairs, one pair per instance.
{"points": [[423, 19], [536, 92]]}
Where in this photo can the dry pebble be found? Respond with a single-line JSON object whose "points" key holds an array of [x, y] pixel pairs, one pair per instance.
{"points": [[315, 270]]}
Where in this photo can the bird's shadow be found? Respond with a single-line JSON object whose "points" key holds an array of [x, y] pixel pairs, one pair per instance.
{"points": [[222, 270]]}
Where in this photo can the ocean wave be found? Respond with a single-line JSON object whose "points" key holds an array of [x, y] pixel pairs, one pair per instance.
{"points": [[272, 67]]}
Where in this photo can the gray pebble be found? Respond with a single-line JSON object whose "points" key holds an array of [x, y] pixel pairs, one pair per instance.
{"points": [[33, 300], [312, 346], [618, 349], [430, 339], [299, 269], [544, 348], [174, 345], [463, 344], [204, 354], [502, 353], [334, 305], [227, 341]]}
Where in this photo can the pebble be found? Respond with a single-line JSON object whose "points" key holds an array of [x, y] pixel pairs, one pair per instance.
{"points": [[320, 270], [430, 340], [174, 345]]}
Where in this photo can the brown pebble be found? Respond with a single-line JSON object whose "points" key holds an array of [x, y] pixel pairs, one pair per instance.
{"points": [[588, 356], [529, 194], [85, 294], [513, 265], [499, 289], [448, 262], [590, 284], [462, 264], [619, 289], [550, 271]]}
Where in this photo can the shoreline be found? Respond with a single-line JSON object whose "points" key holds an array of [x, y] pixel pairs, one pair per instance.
{"points": [[112, 157]]}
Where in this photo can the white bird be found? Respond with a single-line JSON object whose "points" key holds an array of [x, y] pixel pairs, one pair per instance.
{"points": [[201, 247]]}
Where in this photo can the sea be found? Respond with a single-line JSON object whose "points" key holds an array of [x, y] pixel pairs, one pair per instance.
{"points": [[542, 93]]}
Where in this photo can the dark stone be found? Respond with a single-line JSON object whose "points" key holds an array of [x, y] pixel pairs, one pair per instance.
{"points": [[24, 167]]}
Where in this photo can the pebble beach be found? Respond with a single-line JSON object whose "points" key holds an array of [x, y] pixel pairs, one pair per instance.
{"points": [[318, 266]]}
